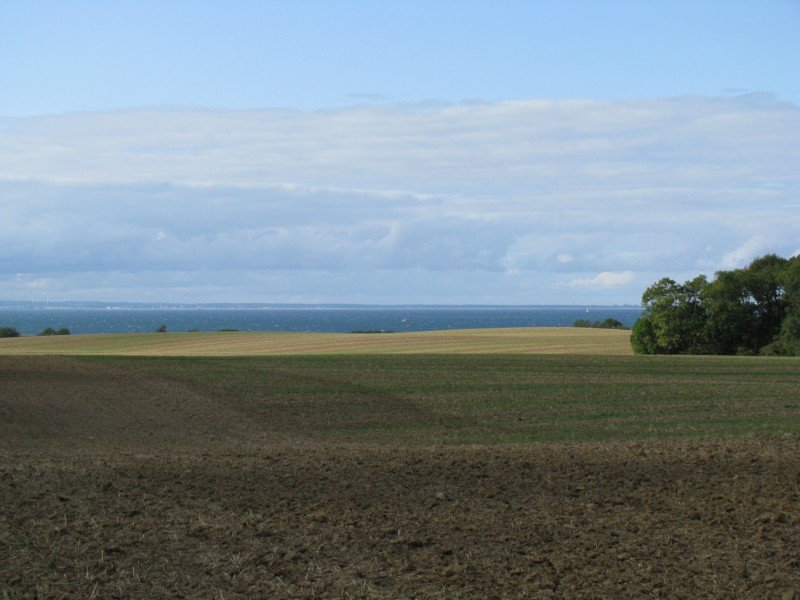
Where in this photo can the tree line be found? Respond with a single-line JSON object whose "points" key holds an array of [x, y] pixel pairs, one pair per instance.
{"points": [[754, 310], [12, 332], [608, 323]]}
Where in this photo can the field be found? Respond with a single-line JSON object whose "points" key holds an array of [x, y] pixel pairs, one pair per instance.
{"points": [[457, 474], [539, 340]]}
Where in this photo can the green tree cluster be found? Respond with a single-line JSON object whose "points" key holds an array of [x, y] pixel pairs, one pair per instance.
{"points": [[754, 310], [608, 323], [7, 332], [51, 331]]}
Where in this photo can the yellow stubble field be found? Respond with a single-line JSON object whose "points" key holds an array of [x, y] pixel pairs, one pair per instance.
{"points": [[534, 340]]}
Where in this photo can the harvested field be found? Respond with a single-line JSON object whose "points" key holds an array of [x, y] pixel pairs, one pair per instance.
{"points": [[529, 340], [399, 477], [660, 519]]}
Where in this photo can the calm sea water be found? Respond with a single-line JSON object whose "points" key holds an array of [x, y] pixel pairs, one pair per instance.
{"points": [[325, 319]]}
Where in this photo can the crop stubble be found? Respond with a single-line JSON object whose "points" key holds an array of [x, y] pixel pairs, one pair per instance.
{"points": [[523, 340]]}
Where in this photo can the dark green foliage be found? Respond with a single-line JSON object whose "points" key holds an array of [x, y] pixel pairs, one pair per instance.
{"points": [[787, 342], [51, 331], [755, 310], [643, 337], [608, 323], [674, 318], [371, 331], [8, 332], [729, 316], [161, 329]]}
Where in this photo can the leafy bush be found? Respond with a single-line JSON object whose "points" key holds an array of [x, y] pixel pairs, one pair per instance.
{"points": [[51, 331], [371, 331], [608, 323], [8, 332], [161, 329]]}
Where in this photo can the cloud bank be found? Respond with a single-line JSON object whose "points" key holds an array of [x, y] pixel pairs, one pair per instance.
{"points": [[513, 202]]}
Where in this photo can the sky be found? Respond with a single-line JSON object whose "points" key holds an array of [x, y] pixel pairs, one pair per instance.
{"points": [[388, 153]]}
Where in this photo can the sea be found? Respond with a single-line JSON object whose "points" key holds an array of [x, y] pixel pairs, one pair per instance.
{"points": [[30, 320]]}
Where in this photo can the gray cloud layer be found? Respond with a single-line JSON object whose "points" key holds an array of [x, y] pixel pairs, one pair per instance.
{"points": [[539, 201]]}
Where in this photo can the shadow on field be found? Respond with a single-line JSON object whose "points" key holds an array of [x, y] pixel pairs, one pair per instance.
{"points": [[68, 404]]}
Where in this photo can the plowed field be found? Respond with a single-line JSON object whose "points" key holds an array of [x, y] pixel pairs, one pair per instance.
{"points": [[382, 477], [621, 520]]}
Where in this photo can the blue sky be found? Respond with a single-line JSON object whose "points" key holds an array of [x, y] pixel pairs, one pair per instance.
{"points": [[88, 55], [436, 152]]}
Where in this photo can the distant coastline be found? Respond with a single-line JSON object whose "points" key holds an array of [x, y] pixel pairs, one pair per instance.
{"points": [[99, 305], [100, 317]]}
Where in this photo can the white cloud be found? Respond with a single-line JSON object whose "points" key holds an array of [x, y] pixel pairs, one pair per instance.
{"points": [[605, 279], [490, 148], [535, 189], [744, 253]]}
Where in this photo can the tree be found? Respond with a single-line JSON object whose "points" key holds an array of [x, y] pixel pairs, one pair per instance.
{"points": [[51, 331], [643, 337], [767, 299], [787, 341], [8, 332], [731, 319], [161, 329], [608, 323], [611, 323], [673, 318], [754, 310]]}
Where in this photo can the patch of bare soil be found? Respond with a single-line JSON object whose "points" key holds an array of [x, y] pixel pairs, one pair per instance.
{"points": [[660, 519]]}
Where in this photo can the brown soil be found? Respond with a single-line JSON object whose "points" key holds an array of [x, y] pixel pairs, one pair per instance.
{"points": [[634, 520]]}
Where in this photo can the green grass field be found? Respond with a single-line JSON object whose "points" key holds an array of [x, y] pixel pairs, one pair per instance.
{"points": [[479, 399], [417, 399], [458, 387]]}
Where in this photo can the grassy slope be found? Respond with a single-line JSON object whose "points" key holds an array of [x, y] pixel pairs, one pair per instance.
{"points": [[414, 400], [469, 386], [539, 340]]}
